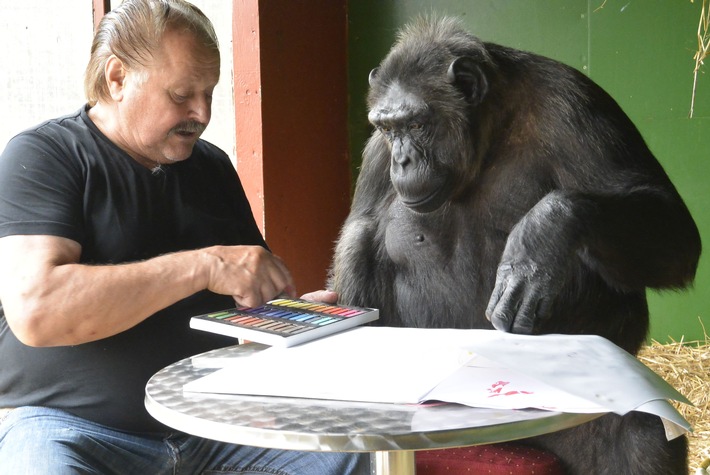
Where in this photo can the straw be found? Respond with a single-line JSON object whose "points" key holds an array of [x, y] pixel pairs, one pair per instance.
{"points": [[686, 366]]}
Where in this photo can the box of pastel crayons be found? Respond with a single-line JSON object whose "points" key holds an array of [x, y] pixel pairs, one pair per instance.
{"points": [[284, 322]]}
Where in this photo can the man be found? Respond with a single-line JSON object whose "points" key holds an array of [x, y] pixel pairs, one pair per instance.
{"points": [[116, 225]]}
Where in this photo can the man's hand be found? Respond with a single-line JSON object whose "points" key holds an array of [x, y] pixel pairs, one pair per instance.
{"points": [[251, 274]]}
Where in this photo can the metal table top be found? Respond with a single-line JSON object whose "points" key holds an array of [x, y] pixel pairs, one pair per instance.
{"points": [[324, 425]]}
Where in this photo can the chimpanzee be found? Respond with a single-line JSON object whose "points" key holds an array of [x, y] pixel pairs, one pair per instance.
{"points": [[501, 189]]}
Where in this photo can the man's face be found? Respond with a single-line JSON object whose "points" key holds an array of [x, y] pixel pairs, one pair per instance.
{"points": [[166, 106]]}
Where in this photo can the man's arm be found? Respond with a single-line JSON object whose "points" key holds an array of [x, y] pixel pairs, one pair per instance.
{"points": [[50, 299]]}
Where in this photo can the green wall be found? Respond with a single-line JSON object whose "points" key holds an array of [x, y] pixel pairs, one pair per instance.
{"points": [[641, 52]]}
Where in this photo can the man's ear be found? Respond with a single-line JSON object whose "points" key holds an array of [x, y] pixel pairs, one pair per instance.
{"points": [[115, 73]]}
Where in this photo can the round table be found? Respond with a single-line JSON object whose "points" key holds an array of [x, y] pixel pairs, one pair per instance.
{"points": [[391, 431]]}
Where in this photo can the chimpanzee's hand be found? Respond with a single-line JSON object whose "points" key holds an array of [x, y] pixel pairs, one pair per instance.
{"points": [[534, 267], [323, 296]]}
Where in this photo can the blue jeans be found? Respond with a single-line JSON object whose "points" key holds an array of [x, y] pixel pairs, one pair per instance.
{"points": [[44, 441]]}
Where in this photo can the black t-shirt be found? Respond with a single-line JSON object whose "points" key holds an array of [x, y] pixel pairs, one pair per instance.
{"points": [[65, 178]]}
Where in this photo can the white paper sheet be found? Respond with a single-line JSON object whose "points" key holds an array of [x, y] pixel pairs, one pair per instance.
{"points": [[480, 368], [356, 366], [483, 383]]}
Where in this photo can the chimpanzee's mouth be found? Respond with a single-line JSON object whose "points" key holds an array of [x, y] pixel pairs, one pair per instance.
{"points": [[429, 203]]}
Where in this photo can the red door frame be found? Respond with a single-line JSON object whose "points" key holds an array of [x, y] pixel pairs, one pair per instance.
{"points": [[290, 92]]}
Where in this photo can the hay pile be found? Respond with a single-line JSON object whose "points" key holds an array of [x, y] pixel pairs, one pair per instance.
{"points": [[686, 366]]}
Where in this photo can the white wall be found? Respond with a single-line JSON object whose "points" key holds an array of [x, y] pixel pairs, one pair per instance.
{"points": [[43, 52], [221, 130], [44, 47]]}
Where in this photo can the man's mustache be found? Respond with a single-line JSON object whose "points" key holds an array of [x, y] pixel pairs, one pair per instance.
{"points": [[188, 127]]}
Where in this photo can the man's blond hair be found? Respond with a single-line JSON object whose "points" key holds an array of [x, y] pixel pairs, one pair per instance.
{"points": [[133, 32]]}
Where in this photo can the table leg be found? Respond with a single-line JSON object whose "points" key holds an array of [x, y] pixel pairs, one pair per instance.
{"points": [[395, 462]]}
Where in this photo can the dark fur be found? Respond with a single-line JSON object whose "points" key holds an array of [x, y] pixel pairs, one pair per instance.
{"points": [[500, 186]]}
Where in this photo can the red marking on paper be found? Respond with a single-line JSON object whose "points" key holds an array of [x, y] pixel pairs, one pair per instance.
{"points": [[497, 388]]}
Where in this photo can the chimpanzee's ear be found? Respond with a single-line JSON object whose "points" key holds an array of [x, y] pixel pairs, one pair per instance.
{"points": [[372, 76], [465, 73]]}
